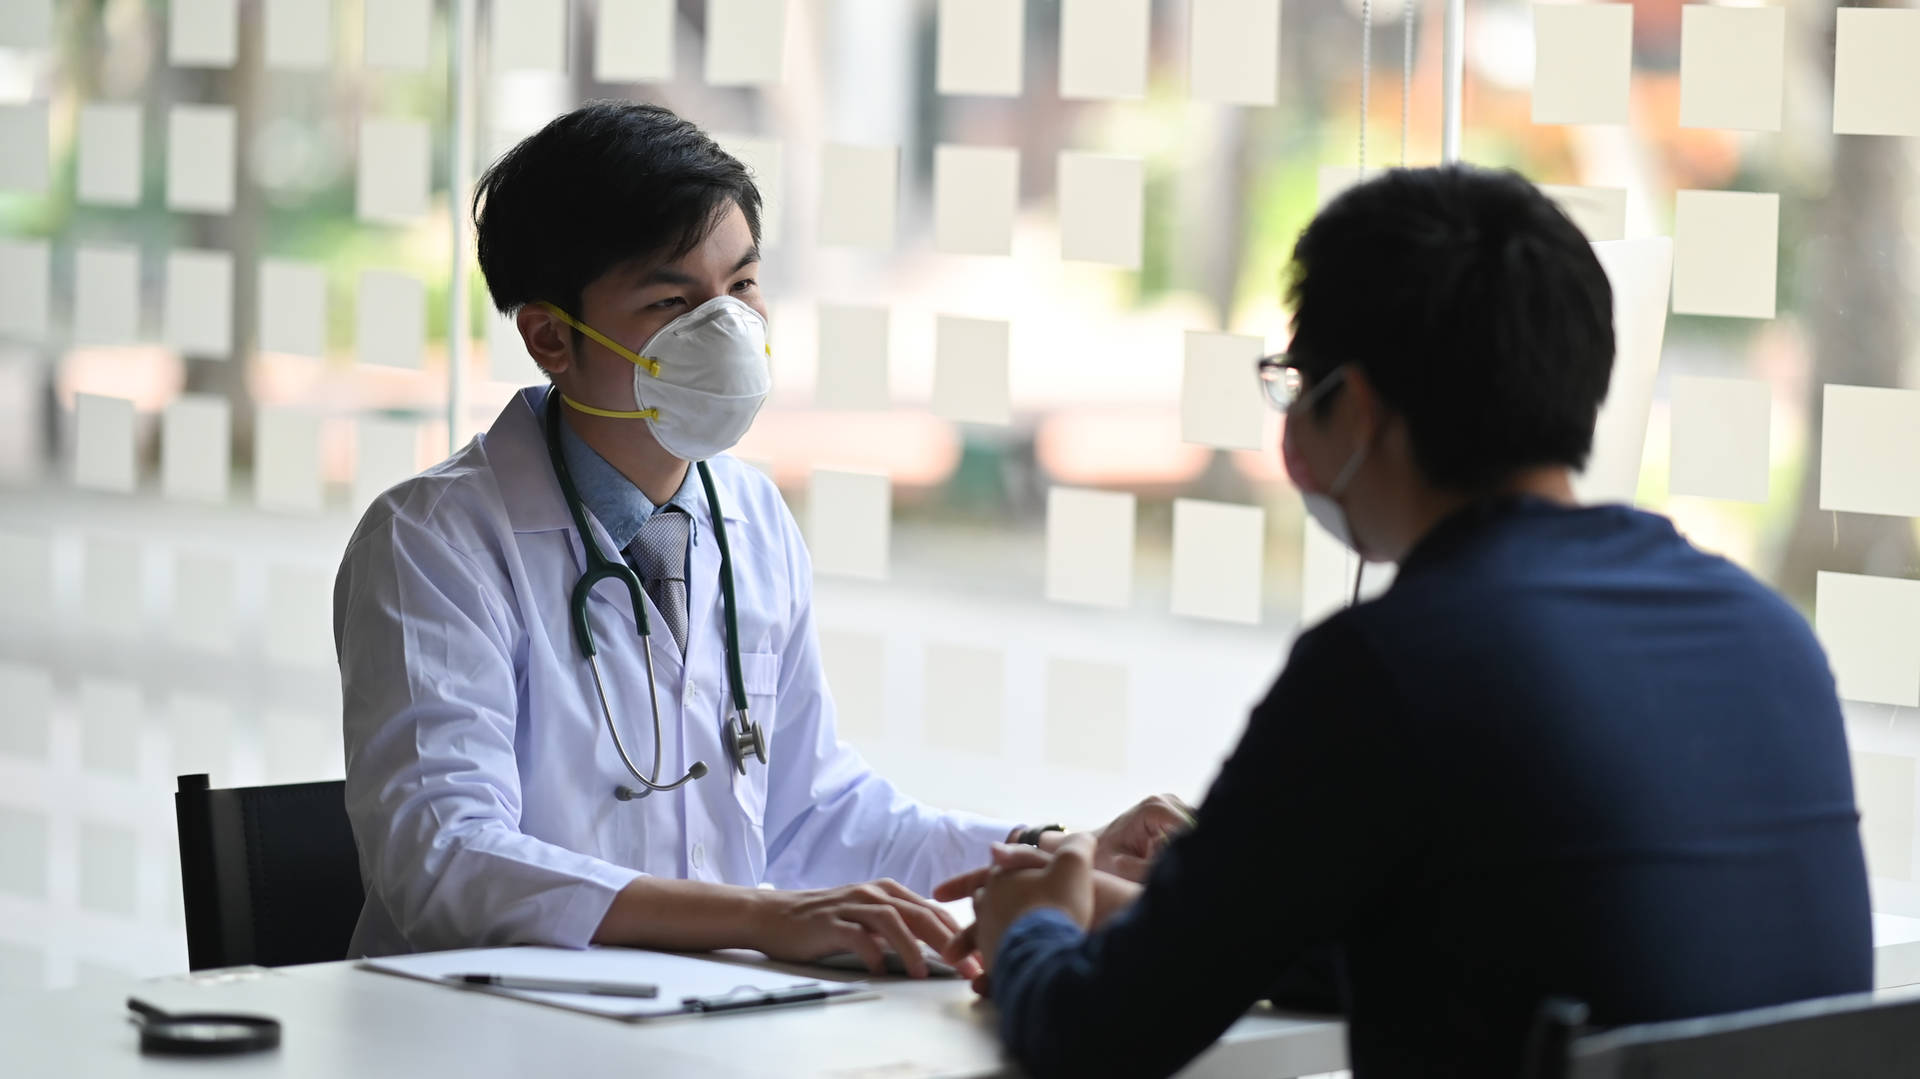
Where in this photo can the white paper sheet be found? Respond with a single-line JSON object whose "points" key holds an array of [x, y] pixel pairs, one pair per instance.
{"points": [[1090, 547], [852, 373], [1218, 555], [1102, 208], [1870, 627], [200, 727], [200, 159], [106, 295], [396, 33], [976, 191], [1582, 63], [202, 612], [1640, 272], [1089, 716], [26, 280], [746, 42], [633, 41], [386, 451], [966, 696], [970, 370], [859, 196], [762, 157], [850, 523], [1732, 66], [1221, 400], [1876, 84], [1884, 789], [1600, 212], [112, 590], [299, 616], [26, 579], [24, 150], [286, 459], [194, 447], [111, 718], [1104, 48], [28, 25], [107, 167], [390, 319], [109, 868], [1726, 251], [293, 307], [856, 666], [1234, 51], [28, 691], [1869, 446], [23, 853], [529, 35], [299, 34], [982, 47], [202, 33], [198, 315], [103, 443], [1720, 438], [394, 171]]}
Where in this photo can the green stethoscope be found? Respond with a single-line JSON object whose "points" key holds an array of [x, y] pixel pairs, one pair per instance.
{"points": [[743, 738]]}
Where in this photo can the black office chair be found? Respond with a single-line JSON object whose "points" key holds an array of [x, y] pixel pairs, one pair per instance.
{"points": [[1858, 1036], [270, 875]]}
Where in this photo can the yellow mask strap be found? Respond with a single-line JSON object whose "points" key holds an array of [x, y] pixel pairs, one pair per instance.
{"points": [[651, 367], [643, 414]]}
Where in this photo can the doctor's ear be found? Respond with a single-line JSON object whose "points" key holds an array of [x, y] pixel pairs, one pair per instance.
{"points": [[549, 340]]}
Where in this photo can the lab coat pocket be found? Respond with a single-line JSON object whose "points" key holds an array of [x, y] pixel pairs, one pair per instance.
{"points": [[760, 677]]}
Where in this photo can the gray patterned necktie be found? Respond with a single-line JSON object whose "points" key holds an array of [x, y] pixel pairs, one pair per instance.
{"points": [[659, 553]]}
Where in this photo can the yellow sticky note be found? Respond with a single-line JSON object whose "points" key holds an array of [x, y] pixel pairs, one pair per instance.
{"points": [[1582, 63]]}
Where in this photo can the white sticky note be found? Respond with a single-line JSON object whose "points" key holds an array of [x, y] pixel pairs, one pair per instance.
{"points": [[299, 34], [966, 698], [26, 578], [1234, 53], [529, 35], [1876, 84], [856, 666], [1103, 48], [1883, 786], [976, 191], [1218, 557], [103, 443], [1582, 63], [112, 595], [1732, 66], [1600, 212], [970, 364], [1090, 547], [853, 359], [982, 47], [299, 616], [386, 452], [28, 692], [26, 281], [394, 171], [633, 41], [746, 42], [1720, 444], [202, 612], [859, 196], [28, 25], [850, 523], [396, 33], [109, 869], [1102, 208], [507, 356], [194, 442], [390, 318], [1869, 444], [107, 168], [1871, 629], [200, 727], [24, 150], [1726, 247], [762, 157], [286, 459], [1640, 273], [293, 307], [199, 304], [23, 853], [1088, 717], [106, 295], [1221, 401], [200, 159], [110, 723], [202, 33]]}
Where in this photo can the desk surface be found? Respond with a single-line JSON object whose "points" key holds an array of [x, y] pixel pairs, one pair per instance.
{"points": [[340, 1021]]}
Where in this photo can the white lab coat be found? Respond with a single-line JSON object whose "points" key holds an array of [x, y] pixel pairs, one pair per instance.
{"points": [[480, 776]]}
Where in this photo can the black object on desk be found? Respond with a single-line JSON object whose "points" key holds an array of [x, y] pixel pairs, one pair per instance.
{"points": [[202, 1033]]}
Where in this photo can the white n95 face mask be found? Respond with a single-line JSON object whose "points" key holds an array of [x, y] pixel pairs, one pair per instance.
{"points": [[699, 382]]}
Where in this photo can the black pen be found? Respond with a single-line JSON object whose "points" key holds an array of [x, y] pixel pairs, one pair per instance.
{"points": [[557, 985], [797, 995]]}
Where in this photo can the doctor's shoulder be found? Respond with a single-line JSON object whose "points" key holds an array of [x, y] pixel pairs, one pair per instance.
{"points": [[458, 500]]}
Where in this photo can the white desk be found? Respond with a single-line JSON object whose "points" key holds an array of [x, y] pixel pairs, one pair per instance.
{"points": [[341, 1021]]}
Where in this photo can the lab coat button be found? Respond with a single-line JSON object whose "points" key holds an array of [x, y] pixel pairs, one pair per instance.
{"points": [[699, 855]]}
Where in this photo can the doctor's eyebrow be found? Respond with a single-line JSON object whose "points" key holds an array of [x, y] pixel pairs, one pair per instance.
{"points": [[667, 275]]}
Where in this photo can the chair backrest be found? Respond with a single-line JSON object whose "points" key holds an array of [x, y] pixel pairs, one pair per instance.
{"points": [[269, 875], [1857, 1036]]}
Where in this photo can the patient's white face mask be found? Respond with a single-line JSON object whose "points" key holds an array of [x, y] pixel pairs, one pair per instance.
{"points": [[699, 382]]}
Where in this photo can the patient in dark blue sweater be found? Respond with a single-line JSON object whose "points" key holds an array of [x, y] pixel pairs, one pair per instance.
{"points": [[1566, 754]]}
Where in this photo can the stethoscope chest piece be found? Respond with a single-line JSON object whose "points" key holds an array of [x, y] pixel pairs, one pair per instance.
{"points": [[745, 739]]}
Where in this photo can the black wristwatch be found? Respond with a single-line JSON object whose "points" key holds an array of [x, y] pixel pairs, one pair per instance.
{"points": [[1031, 837]]}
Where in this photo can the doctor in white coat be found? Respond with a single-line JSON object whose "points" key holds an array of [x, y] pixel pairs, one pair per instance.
{"points": [[488, 797]]}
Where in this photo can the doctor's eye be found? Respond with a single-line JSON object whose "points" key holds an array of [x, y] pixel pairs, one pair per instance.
{"points": [[669, 302], [746, 285]]}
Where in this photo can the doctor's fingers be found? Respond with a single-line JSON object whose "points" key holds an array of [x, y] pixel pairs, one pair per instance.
{"points": [[900, 892], [889, 923], [849, 935]]}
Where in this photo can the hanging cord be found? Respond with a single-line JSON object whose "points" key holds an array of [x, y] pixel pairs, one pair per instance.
{"points": [[1366, 76], [1407, 13]]}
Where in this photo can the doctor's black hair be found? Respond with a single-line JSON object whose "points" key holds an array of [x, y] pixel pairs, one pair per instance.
{"points": [[603, 185], [1475, 308]]}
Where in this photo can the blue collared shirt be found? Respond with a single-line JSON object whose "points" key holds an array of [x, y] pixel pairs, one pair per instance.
{"points": [[617, 504]]}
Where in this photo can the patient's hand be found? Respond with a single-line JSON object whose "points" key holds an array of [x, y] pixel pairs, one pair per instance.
{"points": [[1111, 895]]}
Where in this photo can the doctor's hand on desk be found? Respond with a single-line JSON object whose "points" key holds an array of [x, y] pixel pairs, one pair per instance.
{"points": [[866, 919]]}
